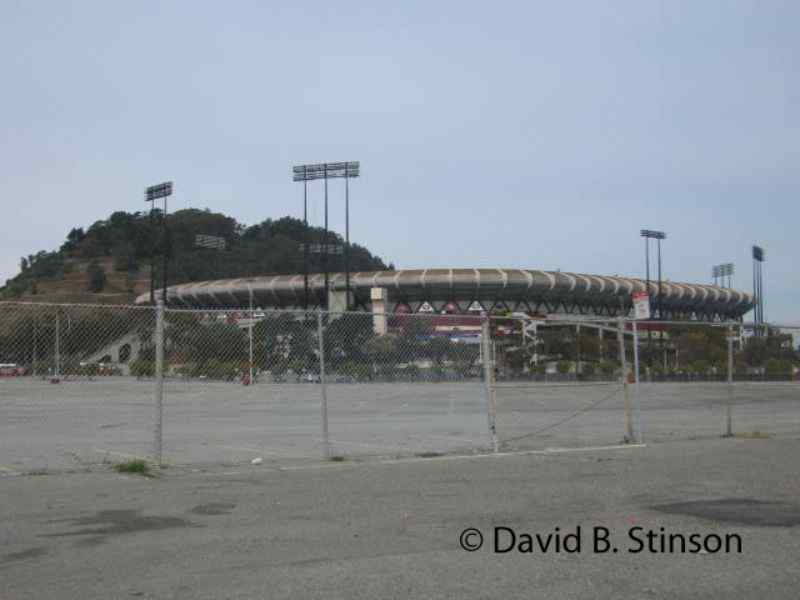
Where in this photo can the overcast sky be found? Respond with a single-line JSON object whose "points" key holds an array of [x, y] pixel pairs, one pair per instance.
{"points": [[515, 134]]}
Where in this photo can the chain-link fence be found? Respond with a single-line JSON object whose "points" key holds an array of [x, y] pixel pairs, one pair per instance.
{"points": [[282, 385], [71, 389], [569, 384], [87, 384]]}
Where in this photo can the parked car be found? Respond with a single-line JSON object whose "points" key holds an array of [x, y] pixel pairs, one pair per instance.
{"points": [[11, 370]]}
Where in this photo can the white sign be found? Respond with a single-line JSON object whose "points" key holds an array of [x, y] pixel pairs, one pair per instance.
{"points": [[426, 308], [641, 305]]}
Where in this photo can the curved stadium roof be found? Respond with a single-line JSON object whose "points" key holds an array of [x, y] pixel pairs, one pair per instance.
{"points": [[515, 289]]}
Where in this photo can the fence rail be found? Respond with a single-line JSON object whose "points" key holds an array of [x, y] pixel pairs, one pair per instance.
{"points": [[84, 383]]}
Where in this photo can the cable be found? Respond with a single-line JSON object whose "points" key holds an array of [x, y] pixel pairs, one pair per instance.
{"points": [[565, 419]]}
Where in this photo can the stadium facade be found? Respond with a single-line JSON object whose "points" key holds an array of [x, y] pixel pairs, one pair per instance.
{"points": [[464, 291]]}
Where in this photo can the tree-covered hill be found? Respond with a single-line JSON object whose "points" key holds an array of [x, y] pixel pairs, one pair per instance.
{"points": [[125, 244]]}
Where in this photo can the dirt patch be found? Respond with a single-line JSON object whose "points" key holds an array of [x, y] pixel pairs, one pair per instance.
{"points": [[120, 522], [214, 508], [24, 555]]}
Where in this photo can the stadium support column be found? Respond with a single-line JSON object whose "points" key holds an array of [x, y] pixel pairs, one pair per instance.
{"points": [[378, 296]]}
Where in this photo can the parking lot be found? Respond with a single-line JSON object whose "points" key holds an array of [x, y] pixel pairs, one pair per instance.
{"points": [[78, 424], [392, 529]]}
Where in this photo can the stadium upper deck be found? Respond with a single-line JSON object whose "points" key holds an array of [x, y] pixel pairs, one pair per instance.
{"points": [[469, 290]]}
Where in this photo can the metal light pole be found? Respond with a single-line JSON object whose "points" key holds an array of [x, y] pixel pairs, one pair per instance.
{"points": [[152, 193], [758, 289], [325, 241], [647, 263], [649, 234], [347, 236], [325, 171], [660, 316], [152, 254], [165, 253], [305, 242]]}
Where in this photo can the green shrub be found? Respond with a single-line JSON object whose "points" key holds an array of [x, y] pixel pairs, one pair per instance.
{"points": [[607, 368], [143, 368], [356, 370], [779, 369], [217, 369], [700, 367], [135, 466]]}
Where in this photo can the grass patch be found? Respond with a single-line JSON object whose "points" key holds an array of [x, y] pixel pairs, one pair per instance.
{"points": [[36, 473], [338, 458], [136, 467]]}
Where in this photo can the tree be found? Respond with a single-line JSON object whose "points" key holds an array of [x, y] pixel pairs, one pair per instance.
{"points": [[778, 369], [270, 247], [97, 277], [124, 257], [700, 347]]}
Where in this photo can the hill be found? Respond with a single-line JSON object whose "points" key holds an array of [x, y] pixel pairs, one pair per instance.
{"points": [[110, 262]]}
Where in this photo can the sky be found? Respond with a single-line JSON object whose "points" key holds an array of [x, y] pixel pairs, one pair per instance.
{"points": [[504, 134]]}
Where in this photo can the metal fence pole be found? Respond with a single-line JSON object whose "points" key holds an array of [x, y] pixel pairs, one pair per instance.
{"points": [[637, 390], [326, 448], [159, 380], [250, 338], [729, 407], [57, 357], [488, 380], [626, 394], [34, 358]]}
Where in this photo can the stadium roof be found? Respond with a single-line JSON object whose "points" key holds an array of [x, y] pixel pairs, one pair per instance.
{"points": [[515, 289]]}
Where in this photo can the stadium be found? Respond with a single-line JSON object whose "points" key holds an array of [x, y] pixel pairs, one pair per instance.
{"points": [[464, 291]]}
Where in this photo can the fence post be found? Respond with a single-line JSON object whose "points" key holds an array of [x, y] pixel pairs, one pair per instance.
{"points": [[250, 338], [326, 448], [159, 380], [637, 390], [626, 394], [729, 407], [488, 380], [57, 351]]}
